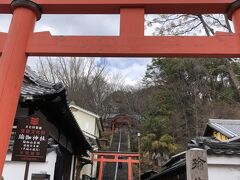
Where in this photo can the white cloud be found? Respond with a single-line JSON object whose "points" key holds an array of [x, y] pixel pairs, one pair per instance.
{"points": [[4, 22], [134, 72], [81, 24], [131, 69], [44, 27]]}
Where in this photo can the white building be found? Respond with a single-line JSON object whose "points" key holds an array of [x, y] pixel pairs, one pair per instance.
{"points": [[222, 167], [66, 140], [16, 170], [222, 142], [223, 161], [91, 126]]}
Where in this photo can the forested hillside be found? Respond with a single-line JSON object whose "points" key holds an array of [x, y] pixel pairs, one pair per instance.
{"points": [[177, 98], [189, 91]]}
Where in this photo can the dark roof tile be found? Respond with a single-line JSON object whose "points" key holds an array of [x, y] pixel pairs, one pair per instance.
{"points": [[228, 127], [37, 86]]}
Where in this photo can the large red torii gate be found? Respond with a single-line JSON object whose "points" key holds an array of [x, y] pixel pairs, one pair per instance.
{"points": [[21, 42]]}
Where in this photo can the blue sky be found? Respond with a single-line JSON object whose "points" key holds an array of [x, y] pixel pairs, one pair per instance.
{"points": [[131, 70]]}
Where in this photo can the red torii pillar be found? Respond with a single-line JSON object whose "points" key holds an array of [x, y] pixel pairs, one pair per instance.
{"points": [[12, 67]]}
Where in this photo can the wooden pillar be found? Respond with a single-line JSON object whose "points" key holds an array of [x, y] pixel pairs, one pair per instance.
{"points": [[236, 21], [12, 67], [74, 167], [234, 15], [130, 168], [101, 168], [26, 170], [132, 22]]}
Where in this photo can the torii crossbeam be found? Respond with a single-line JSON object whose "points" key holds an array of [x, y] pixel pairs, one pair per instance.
{"points": [[21, 41]]}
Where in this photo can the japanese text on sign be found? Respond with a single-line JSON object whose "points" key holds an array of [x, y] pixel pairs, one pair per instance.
{"points": [[31, 140]]}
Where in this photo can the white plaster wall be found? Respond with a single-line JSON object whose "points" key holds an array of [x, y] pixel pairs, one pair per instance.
{"points": [[224, 172], [85, 121], [90, 170], [97, 134], [94, 173], [224, 167], [14, 170], [86, 170]]}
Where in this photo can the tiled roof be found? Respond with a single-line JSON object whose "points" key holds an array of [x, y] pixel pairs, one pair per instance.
{"points": [[216, 147], [213, 147], [174, 159], [179, 165], [52, 101], [148, 174], [33, 85], [228, 127]]}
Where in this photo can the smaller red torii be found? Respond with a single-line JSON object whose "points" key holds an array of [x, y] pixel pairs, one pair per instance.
{"points": [[104, 157]]}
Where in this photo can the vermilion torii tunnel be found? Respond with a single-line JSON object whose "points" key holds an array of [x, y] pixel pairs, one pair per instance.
{"points": [[21, 41]]}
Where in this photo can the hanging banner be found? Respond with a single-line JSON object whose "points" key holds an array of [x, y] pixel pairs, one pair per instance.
{"points": [[31, 140]]}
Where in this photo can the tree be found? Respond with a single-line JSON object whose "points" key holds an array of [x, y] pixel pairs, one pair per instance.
{"points": [[156, 150], [188, 24], [189, 92], [84, 78], [196, 86]]}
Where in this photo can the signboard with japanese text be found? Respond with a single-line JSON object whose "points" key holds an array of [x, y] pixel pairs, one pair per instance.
{"points": [[31, 140], [196, 162]]}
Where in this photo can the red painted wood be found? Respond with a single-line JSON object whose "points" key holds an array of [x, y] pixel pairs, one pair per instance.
{"points": [[3, 37], [101, 168], [222, 45], [236, 20], [130, 174], [116, 160], [12, 66], [130, 44], [116, 154], [132, 22], [113, 6]]}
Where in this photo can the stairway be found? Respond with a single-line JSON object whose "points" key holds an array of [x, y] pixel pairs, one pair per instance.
{"points": [[119, 143], [109, 168], [122, 173]]}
